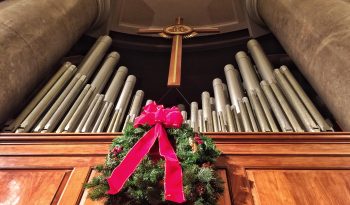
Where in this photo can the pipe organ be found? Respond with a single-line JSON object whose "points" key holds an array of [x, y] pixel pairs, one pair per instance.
{"points": [[277, 103], [92, 97], [271, 90], [74, 102], [255, 98]]}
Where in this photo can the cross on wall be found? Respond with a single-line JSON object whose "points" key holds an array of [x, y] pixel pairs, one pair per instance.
{"points": [[177, 32]]}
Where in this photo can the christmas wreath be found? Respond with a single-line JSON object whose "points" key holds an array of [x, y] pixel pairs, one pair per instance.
{"points": [[139, 170]]}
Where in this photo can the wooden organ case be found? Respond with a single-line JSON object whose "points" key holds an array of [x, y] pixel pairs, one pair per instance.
{"points": [[256, 167]]}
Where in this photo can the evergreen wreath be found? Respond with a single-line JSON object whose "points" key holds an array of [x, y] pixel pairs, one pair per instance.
{"points": [[196, 153]]}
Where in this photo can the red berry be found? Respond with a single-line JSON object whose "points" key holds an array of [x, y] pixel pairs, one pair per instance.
{"points": [[198, 139]]}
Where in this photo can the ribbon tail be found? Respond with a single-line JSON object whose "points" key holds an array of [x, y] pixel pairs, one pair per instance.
{"points": [[173, 184], [129, 164]]}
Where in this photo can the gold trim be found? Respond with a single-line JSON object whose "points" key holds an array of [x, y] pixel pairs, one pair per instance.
{"points": [[174, 30]]}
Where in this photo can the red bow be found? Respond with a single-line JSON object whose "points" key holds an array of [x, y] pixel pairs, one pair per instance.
{"points": [[156, 115]]}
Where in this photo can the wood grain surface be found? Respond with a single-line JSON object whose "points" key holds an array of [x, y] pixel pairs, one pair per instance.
{"points": [[29, 186], [294, 187], [257, 168]]}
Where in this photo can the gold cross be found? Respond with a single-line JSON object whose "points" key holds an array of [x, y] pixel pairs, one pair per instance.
{"points": [[177, 32]]}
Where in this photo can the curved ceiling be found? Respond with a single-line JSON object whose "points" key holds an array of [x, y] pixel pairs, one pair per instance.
{"points": [[127, 16]]}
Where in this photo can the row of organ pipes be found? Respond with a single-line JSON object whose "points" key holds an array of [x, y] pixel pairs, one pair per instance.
{"points": [[73, 102], [277, 103]]}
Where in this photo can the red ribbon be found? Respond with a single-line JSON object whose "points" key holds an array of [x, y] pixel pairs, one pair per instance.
{"points": [[161, 118]]}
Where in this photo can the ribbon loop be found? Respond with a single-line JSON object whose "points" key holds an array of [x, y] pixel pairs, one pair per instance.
{"points": [[156, 115]]}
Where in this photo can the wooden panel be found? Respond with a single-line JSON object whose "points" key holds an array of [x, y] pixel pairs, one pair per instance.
{"points": [[298, 162], [279, 167], [283, 148], [75, 186], [294, 187], [56, 149], [87, 201], [55, 161], [29, 186], [225, 198]]}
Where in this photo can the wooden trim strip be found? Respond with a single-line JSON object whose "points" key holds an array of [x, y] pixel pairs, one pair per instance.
{"points": [[219, 138], [73, 190]]}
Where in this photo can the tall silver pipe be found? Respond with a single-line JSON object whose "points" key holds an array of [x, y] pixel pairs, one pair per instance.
{"points": [[68, 99], [215, 121], [282, 120], [83, 97], [262, 62], [194, 116], [88, 112], [245, 117], [207, 114], [122, 104], [41, 124], [116, 84], [234, 85], [223, 127], [134, 108], [91, 113], [136, 104], [255, 94], [321, 122], [237, 117], [38, 98], [227, 97], [267, 111], [94, 56], [266, 71], [296, 103], [286, 108], [109, 99], [92, 106], [103, 118], [184, 116], [230, 120], [77, 111], [248, 74], [85, 70], [250, 114], [212, 103], [259, 112], [220, 103], [106, 71], [31, 119], [200, 121]]}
